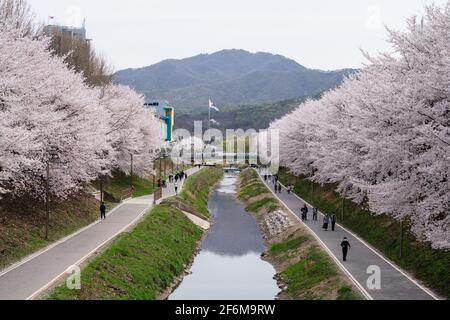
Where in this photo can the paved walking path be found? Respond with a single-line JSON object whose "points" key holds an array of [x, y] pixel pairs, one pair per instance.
{"points": [[33, 275], [395, 284]]}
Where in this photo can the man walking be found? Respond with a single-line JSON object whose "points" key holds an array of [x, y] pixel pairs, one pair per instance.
{"points": [[333, 221], [305, 213], [176, 188], [315, 211], [345, 247], [326, 220], [102, 211]]}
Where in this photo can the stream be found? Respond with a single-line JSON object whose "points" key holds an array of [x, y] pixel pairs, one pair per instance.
{"points": [[229, 266]]}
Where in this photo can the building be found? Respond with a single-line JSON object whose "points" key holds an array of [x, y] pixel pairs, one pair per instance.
{"points": [[167, 115], [76, 33]]}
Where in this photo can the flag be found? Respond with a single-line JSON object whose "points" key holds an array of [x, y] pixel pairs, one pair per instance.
{"points": [[213, 106]]}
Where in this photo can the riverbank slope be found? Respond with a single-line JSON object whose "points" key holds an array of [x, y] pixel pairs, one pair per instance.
{"points": [[305, 271], [382, 232], [145, 262]]}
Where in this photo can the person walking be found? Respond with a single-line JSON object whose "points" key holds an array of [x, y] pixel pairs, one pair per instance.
{"points": [[176, 188], [305, 212], [345, 248], [326, 220], [103, 211], [315, 212], [333, 219]]}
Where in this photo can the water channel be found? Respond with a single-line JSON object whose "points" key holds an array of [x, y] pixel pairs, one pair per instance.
{"points": [[229, 266]]}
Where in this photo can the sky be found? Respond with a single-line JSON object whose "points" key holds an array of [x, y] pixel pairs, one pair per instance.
{"points": [[319, 34]]}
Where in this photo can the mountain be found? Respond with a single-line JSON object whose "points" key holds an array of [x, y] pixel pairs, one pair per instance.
{"points": [[229, 78]]}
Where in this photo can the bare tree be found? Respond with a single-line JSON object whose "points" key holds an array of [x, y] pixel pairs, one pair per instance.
{"points": [[80, 55], [18, 14]]}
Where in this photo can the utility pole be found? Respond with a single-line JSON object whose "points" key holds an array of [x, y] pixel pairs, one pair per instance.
{"points": [[160, 165], [154, 175], [131, 176], [165, 165], [47, 199], [401, 238], [101, 188]]}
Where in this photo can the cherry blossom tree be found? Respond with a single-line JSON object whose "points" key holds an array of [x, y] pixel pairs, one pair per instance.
{"points": [[383, 136], [50, 118], [133, 129]]}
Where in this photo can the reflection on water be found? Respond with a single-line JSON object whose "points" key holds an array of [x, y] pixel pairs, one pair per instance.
{"points": [[229, 265]]}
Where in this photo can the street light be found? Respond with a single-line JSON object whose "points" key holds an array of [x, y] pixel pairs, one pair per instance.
{"points": [[131, 173], [53, 159]]}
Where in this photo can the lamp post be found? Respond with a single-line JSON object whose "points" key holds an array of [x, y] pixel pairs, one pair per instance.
{"points": [[165, 163], [53, 159], [401, 237], [154, 173], [47, 199], [162, 156], [131, 172]]}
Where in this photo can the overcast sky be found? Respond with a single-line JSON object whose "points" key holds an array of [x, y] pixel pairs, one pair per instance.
{"points": [[322, 34]]}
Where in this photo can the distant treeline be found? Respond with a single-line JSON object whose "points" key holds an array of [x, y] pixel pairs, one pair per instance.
{"points": [[243, 117]]}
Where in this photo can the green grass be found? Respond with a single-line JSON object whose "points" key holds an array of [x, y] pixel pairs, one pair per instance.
{"points": [[429, 265], [306, 274], [347, 293], [249, 176], [252, 190], [139, 264], [251, 186], [22, 229], [257, 205], [196, 190], [120, 183], [289, 245], [315, 276]]}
